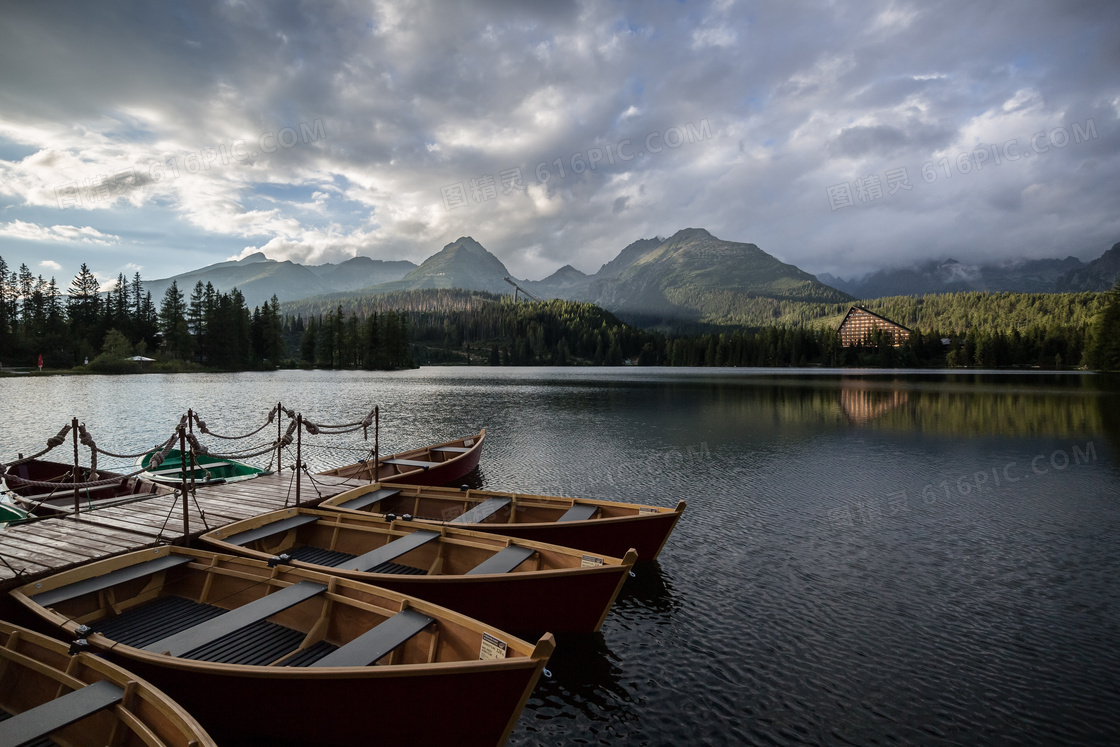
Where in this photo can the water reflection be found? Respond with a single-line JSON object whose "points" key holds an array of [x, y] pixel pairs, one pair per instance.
{"points": [[952, 605], [861, 405], [650, 590], [585, 684]]}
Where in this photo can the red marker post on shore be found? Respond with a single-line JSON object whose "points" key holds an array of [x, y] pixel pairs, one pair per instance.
{"points": [[40, 363]]}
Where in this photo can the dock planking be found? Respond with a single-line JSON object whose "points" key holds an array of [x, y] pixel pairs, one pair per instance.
{"points": [[40, 548]]}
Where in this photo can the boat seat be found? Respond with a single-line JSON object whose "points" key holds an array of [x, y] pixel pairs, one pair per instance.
{"points": [[69, 492], [452, 449], [377, 641], [252, 535], [369, 498], [97, 583], [482, 511], [235, 619], [41, 720], [387, 552], [196, 468], [410, 463], [579, 512], [504, 561]]}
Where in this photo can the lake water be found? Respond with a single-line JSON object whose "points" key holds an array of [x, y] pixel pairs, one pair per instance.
{"points": [[866, 557]]}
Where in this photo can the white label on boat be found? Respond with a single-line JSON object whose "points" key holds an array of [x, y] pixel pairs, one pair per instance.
{"points": [[468, 442], [590, 561], [492, 648], [646, 510]]}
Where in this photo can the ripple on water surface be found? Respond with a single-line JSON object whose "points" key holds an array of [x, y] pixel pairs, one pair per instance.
{"points": [[831, 581]]}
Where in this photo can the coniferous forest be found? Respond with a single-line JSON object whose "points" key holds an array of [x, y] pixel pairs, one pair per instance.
{"points": [[202, 328]]}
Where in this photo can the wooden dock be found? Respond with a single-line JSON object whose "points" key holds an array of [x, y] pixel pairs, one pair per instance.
{"points": [[41, 548]]}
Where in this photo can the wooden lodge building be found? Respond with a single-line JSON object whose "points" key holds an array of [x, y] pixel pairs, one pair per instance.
{"points": [[859, 323]]}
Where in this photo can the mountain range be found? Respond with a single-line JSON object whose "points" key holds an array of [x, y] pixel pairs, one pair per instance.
{"points": [[1067, 275], [692, 276]]}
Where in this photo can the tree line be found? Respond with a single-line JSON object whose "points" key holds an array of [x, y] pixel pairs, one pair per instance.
{"points": [[215, 329], [989, 330], [104, 329]]}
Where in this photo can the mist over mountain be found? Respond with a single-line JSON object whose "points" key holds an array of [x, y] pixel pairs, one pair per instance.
{"points": [[1099, 275], [950, 276]]}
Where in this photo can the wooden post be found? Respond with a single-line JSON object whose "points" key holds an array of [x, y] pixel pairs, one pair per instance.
{"points": [[279, 436], [376, 442], [185, 467], [299, 451], [77, 492], [191, 462]]}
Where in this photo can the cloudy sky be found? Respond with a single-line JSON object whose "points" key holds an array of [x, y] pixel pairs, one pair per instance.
{"points": [[839, 136]]}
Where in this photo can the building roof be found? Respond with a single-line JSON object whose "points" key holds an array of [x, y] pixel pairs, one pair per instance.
{"points": [[872, 313]]}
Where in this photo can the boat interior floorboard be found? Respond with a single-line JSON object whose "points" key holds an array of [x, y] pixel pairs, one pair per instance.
{"points": [[261, 643], [311, 654], [319, 556], [152, 622], [258, 644], [399, 569]]}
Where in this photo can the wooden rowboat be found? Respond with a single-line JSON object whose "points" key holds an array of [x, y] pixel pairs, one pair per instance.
{"points": [[515, 584], [597, 526], [10, 512], [48, 696], [206, 470], [59, 499], [439, 464], [287, 654]]}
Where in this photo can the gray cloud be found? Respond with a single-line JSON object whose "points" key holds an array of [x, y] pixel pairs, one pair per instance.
{"points": [[419, 96]]}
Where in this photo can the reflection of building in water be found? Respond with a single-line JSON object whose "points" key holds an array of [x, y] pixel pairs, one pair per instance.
{"points": [[859, 323], [865, 405]]}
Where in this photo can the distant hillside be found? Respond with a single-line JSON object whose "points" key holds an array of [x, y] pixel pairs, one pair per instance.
{"points": [[259, 278], [1069, 275], [362, 272], [1099, 275], [464, 263], [561, 283], [256, 276], [694, 276], [990, 312], [691, 278]]}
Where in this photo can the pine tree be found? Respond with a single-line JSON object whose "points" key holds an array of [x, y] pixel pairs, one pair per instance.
{"points": [[1104, 351], [84, 310], [173, 324]]}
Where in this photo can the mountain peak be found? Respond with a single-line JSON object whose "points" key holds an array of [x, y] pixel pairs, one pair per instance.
{"points": [[254, 257], [691, 233], [464, 263]]}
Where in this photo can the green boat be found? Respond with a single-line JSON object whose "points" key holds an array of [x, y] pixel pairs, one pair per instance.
{"points": [[10, 513], [207, 470]]}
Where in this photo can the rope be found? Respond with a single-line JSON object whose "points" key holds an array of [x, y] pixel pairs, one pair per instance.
{"points": [[314, 429], [21, 572], [64, 486], [174, 505], [194, 497], [241, 455], [202, 426], [87, 440], [52, 442], [313, 483]]}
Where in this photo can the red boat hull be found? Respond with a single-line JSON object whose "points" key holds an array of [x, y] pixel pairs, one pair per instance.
{"points": [[458, 708], [443, 470], [447, 473], [646, 534], [520, 602]]}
